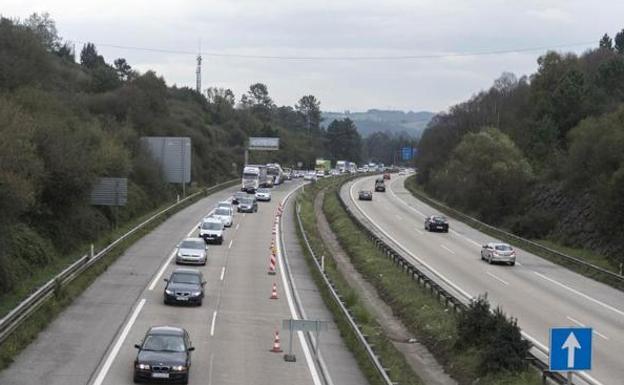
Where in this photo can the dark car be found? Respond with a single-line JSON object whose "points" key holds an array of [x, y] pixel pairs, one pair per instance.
{"points": [[386, 175], [365, 195], [238, 196], [380, 186], [248, 205], [164, 356], [184, 286], [437, 223]]}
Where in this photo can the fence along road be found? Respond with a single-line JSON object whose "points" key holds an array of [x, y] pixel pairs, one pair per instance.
{"points": [[539, 293]]}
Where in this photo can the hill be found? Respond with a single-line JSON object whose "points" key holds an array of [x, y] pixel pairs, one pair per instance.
{"points": [[394, 122]]}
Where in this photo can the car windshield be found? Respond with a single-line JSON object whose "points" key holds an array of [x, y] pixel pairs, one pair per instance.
{"points": [[247, 201], [503, 247], [222, 211], [263, 190], [240, 195], [192, 244], [439, 219], [249, 175], [211, 226], [164, 343], [185, 278]]}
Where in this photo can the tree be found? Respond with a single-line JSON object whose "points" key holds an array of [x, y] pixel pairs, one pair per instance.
{"points": [[45, 28], [619, 41], [310, 109], [89, 57], [343, 141], [606, 42], [124, 71]]}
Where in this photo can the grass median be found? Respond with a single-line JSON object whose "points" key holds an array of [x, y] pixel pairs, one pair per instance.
{"points": [[64, 296], [430, 321], [390, 357]]}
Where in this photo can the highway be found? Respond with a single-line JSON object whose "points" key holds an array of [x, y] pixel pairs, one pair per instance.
{"points": [[538, 293], [92, 342]]}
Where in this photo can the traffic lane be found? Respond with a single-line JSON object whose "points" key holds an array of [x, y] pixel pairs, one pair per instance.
{"points": [[584, 292], [68, 350], [536, 304], [593, 288], [208, 323]]}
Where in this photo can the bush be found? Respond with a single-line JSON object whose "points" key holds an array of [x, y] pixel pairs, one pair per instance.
{"points": [[533, 225], [496, 338]]}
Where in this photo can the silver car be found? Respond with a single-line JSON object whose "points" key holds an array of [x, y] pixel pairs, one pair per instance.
{"points": [[498, 252], [192, 251]]}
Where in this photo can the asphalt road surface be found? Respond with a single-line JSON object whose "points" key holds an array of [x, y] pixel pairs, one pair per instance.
{"points": [[540, 294], [92, 342]]}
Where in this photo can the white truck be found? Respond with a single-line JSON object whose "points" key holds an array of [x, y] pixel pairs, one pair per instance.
{"points": [[342, 166], [275, 170], [254, 177]]}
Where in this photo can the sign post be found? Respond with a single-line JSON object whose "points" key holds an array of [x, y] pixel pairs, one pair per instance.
{"points": [[570, 350], [304, 326]]}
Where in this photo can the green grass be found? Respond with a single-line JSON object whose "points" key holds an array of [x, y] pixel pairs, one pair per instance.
{"points": [[586, 255], [424, 316], [390, 357], [39, 320]]}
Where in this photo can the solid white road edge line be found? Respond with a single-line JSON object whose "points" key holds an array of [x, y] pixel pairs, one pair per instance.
{"points": [[122, 337], [594, 300], [212, 325], [434, 271], [424, 216], [542, 347], [497, 278], [222, 273], [306, 351]]}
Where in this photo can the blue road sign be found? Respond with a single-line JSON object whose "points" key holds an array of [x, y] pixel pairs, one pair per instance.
{"points": [[570, 349], [406, 153]]}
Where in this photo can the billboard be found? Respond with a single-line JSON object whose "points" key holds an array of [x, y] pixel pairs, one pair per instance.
{"points": [[263, 143], [110, 192], [173, 154]]}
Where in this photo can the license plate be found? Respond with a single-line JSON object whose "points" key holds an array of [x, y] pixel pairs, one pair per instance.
{"points": [[182, 298], [160, 375], [440, 227]]}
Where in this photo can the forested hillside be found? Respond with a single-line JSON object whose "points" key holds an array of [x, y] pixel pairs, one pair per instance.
{"points": [[66, 120], [542, 155]]}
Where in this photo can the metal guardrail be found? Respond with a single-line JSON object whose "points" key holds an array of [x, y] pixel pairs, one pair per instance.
{"points": [[617, 279], [10, 322], [449, 299], [360, 336]]}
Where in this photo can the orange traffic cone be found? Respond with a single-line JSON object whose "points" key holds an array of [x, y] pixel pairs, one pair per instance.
{"points": [[276, 343], [274, 292]]}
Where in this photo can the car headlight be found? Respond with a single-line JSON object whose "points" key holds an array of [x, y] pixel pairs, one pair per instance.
{"points": [[143, 366], [178, 368], [195, 293], [169, 292]]}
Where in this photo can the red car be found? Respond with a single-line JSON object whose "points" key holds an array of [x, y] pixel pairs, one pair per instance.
{"points": [[386, 175]]}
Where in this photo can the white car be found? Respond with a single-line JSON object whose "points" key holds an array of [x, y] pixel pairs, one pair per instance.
{"points": [[192, 251], [320, 174], [226, 204], [224, 215], [310, 176], [402, 172], [263, 194], [211, 230]]}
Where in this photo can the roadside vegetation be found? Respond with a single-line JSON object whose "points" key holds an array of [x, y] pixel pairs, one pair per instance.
{"points": [[391, 358], [540, 155], [477, 345]]}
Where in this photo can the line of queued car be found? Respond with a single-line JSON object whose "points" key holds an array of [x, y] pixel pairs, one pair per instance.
{"points": [[164, 354]]}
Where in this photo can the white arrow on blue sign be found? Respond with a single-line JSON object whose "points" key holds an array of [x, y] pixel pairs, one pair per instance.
{"points": [[570, 349]]}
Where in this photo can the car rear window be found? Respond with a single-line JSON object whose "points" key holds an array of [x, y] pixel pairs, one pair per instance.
{"points": [[503, 247]]}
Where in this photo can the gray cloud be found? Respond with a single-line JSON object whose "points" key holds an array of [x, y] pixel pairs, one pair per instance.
{"points": [[335, 28]]}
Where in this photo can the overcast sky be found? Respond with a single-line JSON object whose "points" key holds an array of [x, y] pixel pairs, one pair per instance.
{"points": [[387, 28]]}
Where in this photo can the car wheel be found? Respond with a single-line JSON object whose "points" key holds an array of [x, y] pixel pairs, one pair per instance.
{"points": [[512, 263], [185, 381], [490, 259], [201, 301], [136, 379]]}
